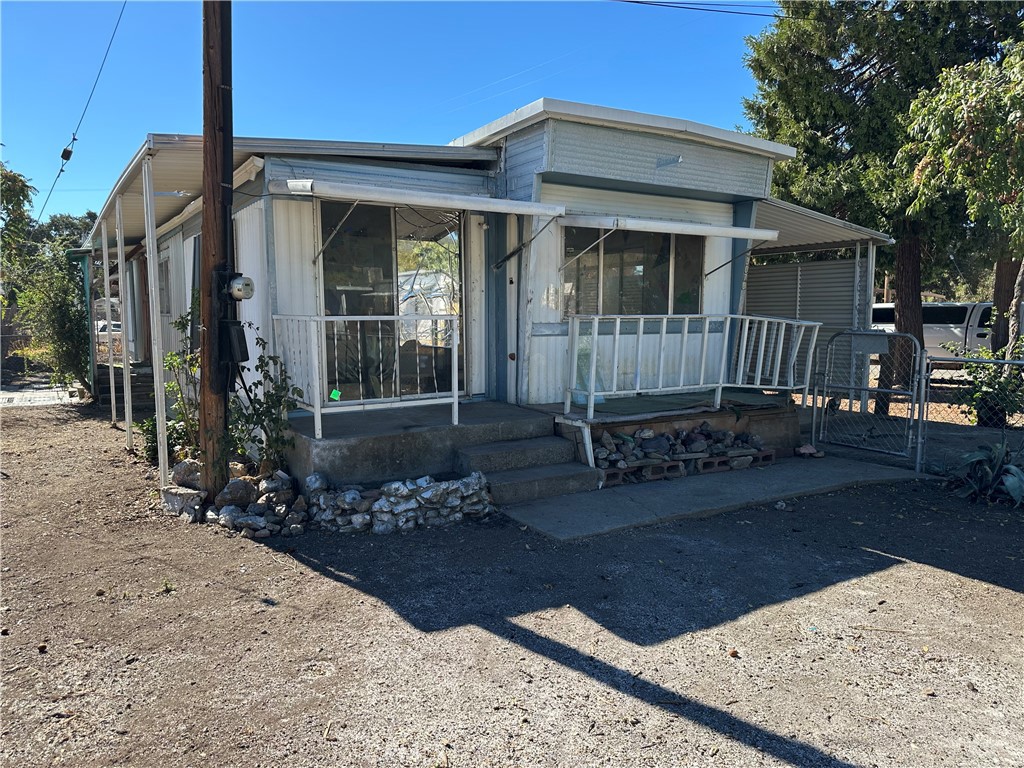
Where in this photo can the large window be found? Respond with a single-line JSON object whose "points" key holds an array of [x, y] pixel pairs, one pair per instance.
{"points": [[385, 262], [631, 273]]}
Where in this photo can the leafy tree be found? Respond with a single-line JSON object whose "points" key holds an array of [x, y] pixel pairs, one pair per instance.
{"points": [[15, 220], [46, 288], [968, 133], [65, 227], [51, 301], [836, 80]]}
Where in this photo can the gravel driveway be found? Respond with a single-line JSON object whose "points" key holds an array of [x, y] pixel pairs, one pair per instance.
{"points": [[880, 626]]}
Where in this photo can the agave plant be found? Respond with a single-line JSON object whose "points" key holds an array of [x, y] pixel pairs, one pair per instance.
{"points": [[993, 473]]}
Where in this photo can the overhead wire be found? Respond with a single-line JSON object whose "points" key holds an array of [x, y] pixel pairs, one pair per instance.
{"points": [[712, 8], [66, 153]]}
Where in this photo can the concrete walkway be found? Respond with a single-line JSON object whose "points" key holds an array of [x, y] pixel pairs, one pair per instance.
{"points": [[33, 394], [626, 506]]}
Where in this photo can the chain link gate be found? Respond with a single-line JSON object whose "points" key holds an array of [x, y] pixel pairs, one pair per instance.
{"points": [[871, 394]]}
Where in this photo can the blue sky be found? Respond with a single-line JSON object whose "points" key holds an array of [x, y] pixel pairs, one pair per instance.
{"points": [[393, 72]]}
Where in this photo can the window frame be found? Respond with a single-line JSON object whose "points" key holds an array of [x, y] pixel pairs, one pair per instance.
{"points": [[601, 237]]}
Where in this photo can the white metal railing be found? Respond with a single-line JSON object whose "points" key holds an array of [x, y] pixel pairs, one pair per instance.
{"points": [[624, 355], [364, 362]]}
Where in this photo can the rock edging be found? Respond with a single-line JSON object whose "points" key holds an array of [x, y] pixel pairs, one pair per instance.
{"points": [[260, 508]]}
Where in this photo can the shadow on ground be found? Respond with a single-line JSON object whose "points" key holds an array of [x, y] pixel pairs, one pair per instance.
{"points": [[653, 584]]}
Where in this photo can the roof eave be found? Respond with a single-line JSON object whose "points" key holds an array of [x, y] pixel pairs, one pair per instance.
{"points": [[545, 108]]}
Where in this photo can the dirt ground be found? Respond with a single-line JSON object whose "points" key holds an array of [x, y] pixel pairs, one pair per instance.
{"points": [[875, 627]]}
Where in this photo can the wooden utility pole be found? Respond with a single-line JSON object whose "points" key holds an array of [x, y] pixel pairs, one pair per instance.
{"points": [[216, 259]]}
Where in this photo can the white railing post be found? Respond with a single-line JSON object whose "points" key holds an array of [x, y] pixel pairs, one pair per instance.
{"points": [[682, 349], [780, 342], [661, 352], [574, 328], [455, 370], [592, 384], [639, 352], [616, 336], [762, 333], [317, 398], [705, 333], [726, 332]]}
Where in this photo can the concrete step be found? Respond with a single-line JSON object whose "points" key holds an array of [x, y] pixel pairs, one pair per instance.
{"points": [[514, 485], [515, 454]]}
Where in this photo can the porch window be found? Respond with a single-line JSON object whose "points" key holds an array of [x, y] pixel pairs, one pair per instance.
{"points": [[381, 264], [631, 273]]}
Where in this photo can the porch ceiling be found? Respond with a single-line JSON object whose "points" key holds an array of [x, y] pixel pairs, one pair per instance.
{"points": [[801, 229]]}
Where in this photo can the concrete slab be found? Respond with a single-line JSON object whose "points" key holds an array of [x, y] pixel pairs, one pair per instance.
{"points": [[22, 396], [626, 506]]}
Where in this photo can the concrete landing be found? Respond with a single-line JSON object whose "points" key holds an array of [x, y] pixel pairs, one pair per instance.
{"points": [[628, 506]]}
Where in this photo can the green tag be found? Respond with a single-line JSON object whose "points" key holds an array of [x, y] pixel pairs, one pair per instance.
{"points": [[335, 394]]}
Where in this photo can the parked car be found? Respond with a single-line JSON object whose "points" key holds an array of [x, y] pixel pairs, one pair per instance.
{"points": [[966, 325]]}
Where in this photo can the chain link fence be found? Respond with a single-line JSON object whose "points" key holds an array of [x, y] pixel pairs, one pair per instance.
{"points": [[976, 392], [971, 402]]}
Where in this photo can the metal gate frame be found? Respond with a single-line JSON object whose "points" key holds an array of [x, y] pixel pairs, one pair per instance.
{"points": [[851, 392]]}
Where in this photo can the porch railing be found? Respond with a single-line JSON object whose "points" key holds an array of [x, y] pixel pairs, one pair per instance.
{"points": [[366, 362], [624, 355]]}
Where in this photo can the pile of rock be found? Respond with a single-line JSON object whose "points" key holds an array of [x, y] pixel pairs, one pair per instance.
{"points": [[399, 505], [263, 507], [645, 448]]}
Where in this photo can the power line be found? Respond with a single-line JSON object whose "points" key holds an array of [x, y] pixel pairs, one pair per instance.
{"points": [[68, 150], [713, 8]]}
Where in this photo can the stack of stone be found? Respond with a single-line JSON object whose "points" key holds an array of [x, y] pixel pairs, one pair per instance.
{"points": [[397, 506], [644, 448], [254, 507], [258, 508]]}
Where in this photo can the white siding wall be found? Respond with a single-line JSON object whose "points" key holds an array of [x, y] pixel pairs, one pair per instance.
{"points": [[546, 355], [383, 174], [294, 276], [526, 155], [172, 248], [645, 158], [251, 260]]}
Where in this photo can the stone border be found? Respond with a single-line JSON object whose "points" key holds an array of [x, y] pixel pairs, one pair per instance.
{"points": [[260, 508]]}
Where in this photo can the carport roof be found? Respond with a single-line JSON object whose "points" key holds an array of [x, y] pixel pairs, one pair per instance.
{"points": [[801, 229]]}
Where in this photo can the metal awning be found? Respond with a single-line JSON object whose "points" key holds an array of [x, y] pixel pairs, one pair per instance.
{"points": [[668, 227], [177, 163], [395, 196], [801, 229]]}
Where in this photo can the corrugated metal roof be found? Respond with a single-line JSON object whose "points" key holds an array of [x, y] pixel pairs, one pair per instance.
{"points": [[178, 170], [801, 229]]}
